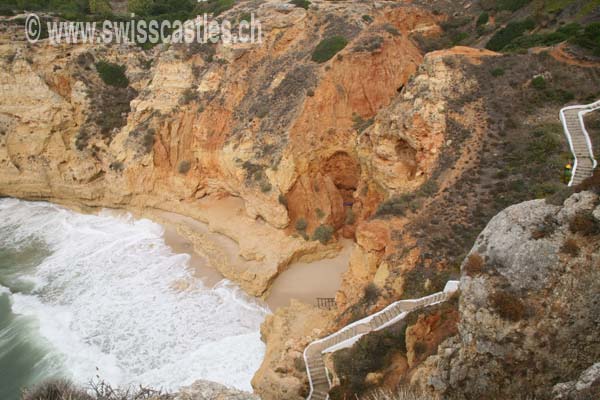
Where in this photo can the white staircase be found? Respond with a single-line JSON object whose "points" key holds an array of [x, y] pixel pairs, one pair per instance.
{"points": [[579, 141], [348, 335]]}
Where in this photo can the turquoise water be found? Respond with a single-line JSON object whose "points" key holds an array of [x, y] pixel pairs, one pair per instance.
{"points": [[98, 295], [25, 357]]}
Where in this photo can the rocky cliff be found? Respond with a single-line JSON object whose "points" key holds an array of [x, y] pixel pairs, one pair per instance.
{"points": [[529, 306], [262, 123], [408, 151]]}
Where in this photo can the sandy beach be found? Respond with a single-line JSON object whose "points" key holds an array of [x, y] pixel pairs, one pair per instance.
{"points": [[304, 281]]}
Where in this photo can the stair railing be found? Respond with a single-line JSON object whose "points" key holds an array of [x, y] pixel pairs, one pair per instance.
{"points": [[584, 110], [413, 304]]}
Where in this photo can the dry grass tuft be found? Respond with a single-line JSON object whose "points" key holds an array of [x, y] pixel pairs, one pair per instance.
{"points": [[474, 265], [570, 247], [508, 306], [400, 394], [585, 224]]}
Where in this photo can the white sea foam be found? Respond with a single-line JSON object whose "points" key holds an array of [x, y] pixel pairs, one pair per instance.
{"points": [[105, 299]]}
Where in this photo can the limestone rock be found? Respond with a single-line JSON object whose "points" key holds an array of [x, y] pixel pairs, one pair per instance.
{"points": [[530, 317]]}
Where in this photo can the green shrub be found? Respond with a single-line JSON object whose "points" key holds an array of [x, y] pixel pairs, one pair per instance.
{"points": [[483, 19], [496, 72], [301, 3], [189, 95], [100, 7], [148, 141], [371, 293], [420, 348], [371, 353], [395, 206], [328, 48], [320, 213], [301, 225], [590, 38], [112, 74], [511, 5], [506, 35], [184, 167], [214, 7], [428, 189], [538, 82], [458, 37], [323, 233], [282, 200], [391, 29], [117, 166], [265, 186], [367, 18], [6, 10]]}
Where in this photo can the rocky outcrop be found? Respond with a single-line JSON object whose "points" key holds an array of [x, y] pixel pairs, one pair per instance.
{"points": [[282, 374], [399, 153], [206, 390], [586, 386], [529, 304]]}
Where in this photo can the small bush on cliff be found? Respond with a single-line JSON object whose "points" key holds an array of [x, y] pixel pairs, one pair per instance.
{"points": [[301, 225], [570, 247], [323, 233], [371, 353], [483, 19], [301, 3], [265, 186], [328, 48], [112, 74], [506, 35], [538, 83], [372, 292], [496, 72], [590, 38], [394, 206], [420, 348], [508, 306], [320, 214], [585, 224], [474, 265], [189, 95], [184, 167]]}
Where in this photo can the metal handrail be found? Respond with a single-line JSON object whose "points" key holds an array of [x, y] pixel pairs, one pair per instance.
{"points": [[584, 110], [451, 287]]}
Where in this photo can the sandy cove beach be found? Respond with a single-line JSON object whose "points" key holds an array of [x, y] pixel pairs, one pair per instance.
{"points": [[301, 280]]}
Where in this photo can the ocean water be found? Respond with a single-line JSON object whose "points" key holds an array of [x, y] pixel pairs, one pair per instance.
{"points": [[83, 296]]}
